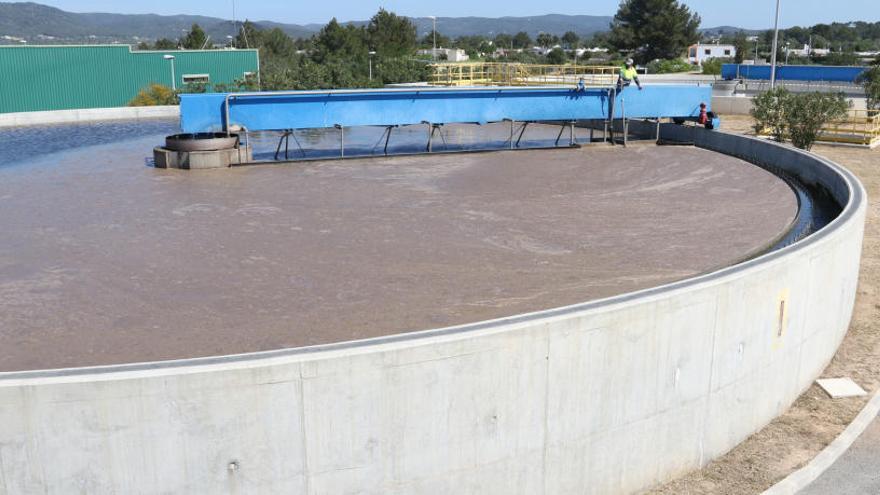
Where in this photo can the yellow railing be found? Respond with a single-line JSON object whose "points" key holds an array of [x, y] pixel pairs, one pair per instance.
{"points": [[859, 127], [516, 74]]}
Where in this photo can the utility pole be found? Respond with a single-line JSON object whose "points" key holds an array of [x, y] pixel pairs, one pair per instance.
{"points": [[775, 47]]}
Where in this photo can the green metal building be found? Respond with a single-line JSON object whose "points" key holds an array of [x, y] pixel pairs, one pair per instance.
{"points": [[62, 77]]}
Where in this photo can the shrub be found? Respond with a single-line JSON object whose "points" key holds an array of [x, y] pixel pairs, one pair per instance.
{"points": [[768, 112], [806, 113], [557, 56], [712, 66], [154, 94], [193, 88], [399, 70], [669, 66]]}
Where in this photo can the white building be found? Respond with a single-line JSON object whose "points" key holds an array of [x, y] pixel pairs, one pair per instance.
{"points": [[448, 54], [699, 53], [808, 51]]}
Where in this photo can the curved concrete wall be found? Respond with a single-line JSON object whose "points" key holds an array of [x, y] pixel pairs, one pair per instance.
{"points": [[606, 397], [17, 119]]}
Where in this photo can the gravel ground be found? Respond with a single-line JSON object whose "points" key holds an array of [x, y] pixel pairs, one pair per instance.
{"points": [[792, 440]]}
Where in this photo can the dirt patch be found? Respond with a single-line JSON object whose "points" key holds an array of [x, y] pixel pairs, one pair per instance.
{"points": [[793, 439]]}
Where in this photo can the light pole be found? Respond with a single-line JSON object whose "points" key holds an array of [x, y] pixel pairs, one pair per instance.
{"points": [[787, 52], [371, 65], [434, 33], [173, 78], [775, 47]]}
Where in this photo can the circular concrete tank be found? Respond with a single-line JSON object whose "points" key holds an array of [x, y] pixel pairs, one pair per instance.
{"points": [[605, 318], [113, 262]]}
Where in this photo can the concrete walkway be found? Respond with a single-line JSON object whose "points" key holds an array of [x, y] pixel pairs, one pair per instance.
{"points": [[857, 472]]}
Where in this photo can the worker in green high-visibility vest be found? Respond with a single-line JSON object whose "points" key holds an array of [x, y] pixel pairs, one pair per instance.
{"points": [[628, 75]]}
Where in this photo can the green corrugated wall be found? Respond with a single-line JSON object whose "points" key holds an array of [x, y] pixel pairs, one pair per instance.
{"points": [[66, 77]]}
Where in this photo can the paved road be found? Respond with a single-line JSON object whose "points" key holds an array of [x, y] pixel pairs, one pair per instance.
{"points": [[857, 472]]}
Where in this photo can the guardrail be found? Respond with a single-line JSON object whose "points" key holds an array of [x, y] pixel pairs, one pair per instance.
{"points": [[516, 74], [860, 127]]}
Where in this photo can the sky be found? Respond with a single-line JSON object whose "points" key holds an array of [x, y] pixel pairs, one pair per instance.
{"points": [[750, 14]]}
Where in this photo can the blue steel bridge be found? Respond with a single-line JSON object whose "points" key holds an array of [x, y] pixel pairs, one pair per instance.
{"points": [[289, 111]]}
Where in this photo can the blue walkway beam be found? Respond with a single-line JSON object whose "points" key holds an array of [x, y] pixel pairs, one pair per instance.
{"points": [[277, 111]]}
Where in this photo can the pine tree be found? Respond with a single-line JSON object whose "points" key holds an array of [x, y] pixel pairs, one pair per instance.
{"points": [[741, 43], [654, 29], [195, 39], [522, 40], [391, 35]]}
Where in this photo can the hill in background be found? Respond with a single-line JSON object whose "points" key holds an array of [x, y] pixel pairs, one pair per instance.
{"points": [[43, 24], [38, 23]]}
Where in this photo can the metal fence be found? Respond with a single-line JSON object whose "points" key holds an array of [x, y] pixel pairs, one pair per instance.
{"points": [[517, 74], [859, 127]]}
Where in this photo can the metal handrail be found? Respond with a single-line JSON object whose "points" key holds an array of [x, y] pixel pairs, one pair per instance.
{"points": [[519, 74]]}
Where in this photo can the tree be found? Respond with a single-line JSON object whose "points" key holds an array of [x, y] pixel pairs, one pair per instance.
{"points": [[395, 70], [570, 39], [442, 40], [870, 81], [544, 40], [196, 39], [165, 44], [473, 45], [654, 29], [335, 40], [248, 36], [522, 40], [335, 57], [391, 35], [557, 56], [841, 58], [276, 43], [503, 40], [741, 43]]}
